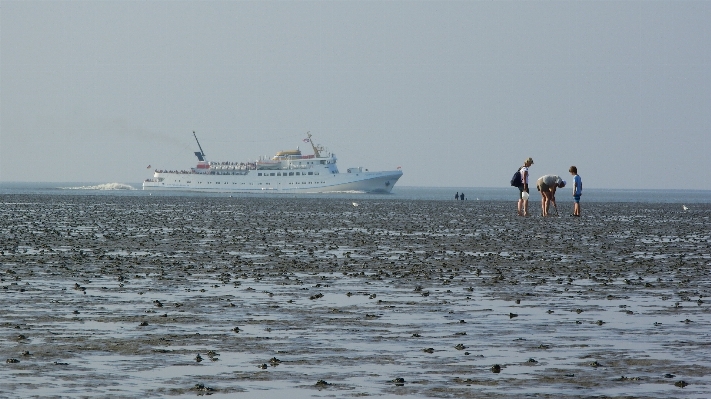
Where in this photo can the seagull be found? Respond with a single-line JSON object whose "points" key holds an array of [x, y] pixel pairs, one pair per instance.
{"points": [[355, 204], [684, 207]]}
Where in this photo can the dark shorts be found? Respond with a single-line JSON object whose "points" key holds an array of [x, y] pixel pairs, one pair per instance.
{"points": [[576, 198], [520, 192]]}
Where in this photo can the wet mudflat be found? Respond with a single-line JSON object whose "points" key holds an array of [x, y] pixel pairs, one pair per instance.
{"points": [[303, 297]]}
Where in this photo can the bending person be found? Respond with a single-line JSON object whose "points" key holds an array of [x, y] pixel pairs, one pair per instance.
{"points": [[547, 185]]}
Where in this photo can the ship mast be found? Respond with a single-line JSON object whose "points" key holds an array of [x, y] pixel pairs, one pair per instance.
{"points": [[200, 155], [316, 148]]}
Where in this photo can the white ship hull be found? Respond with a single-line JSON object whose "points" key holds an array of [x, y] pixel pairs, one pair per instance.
{"points": [[368, 182]]}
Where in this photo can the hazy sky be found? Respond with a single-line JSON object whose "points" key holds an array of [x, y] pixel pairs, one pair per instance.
{"points": [[457, 93]]}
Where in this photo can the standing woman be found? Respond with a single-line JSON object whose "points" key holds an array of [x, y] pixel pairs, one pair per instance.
{"points": [[523, 188]]}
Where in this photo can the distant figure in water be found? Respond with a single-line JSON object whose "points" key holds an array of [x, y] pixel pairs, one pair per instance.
{"points": [[456, 196], [461, 196]]}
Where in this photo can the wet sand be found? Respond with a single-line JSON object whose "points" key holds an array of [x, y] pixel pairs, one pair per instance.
{"points": [[302, 297]]}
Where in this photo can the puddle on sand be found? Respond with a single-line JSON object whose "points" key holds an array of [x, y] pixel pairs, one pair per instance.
{"points": [[623, 311]]}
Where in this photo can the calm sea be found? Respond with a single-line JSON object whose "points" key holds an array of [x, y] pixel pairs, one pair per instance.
{"points": [[399, 193]]}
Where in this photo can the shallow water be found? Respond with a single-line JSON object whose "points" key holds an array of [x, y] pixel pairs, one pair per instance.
{"points": [[609, 304], [399, 193]]}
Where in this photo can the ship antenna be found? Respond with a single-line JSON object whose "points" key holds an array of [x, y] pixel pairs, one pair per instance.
{"points": [[201, 154], [316, 153]]}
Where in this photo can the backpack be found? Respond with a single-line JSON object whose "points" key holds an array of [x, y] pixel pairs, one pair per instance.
{"points": [[516, 180]]}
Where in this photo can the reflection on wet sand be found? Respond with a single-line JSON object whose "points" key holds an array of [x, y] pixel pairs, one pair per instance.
{"points": [[168, 296]]}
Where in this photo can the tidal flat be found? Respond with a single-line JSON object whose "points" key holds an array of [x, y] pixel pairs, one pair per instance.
{"points": [[144, 296]]}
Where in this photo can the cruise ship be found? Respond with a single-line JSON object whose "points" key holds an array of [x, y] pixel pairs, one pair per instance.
{"points": [[286, 172]]}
